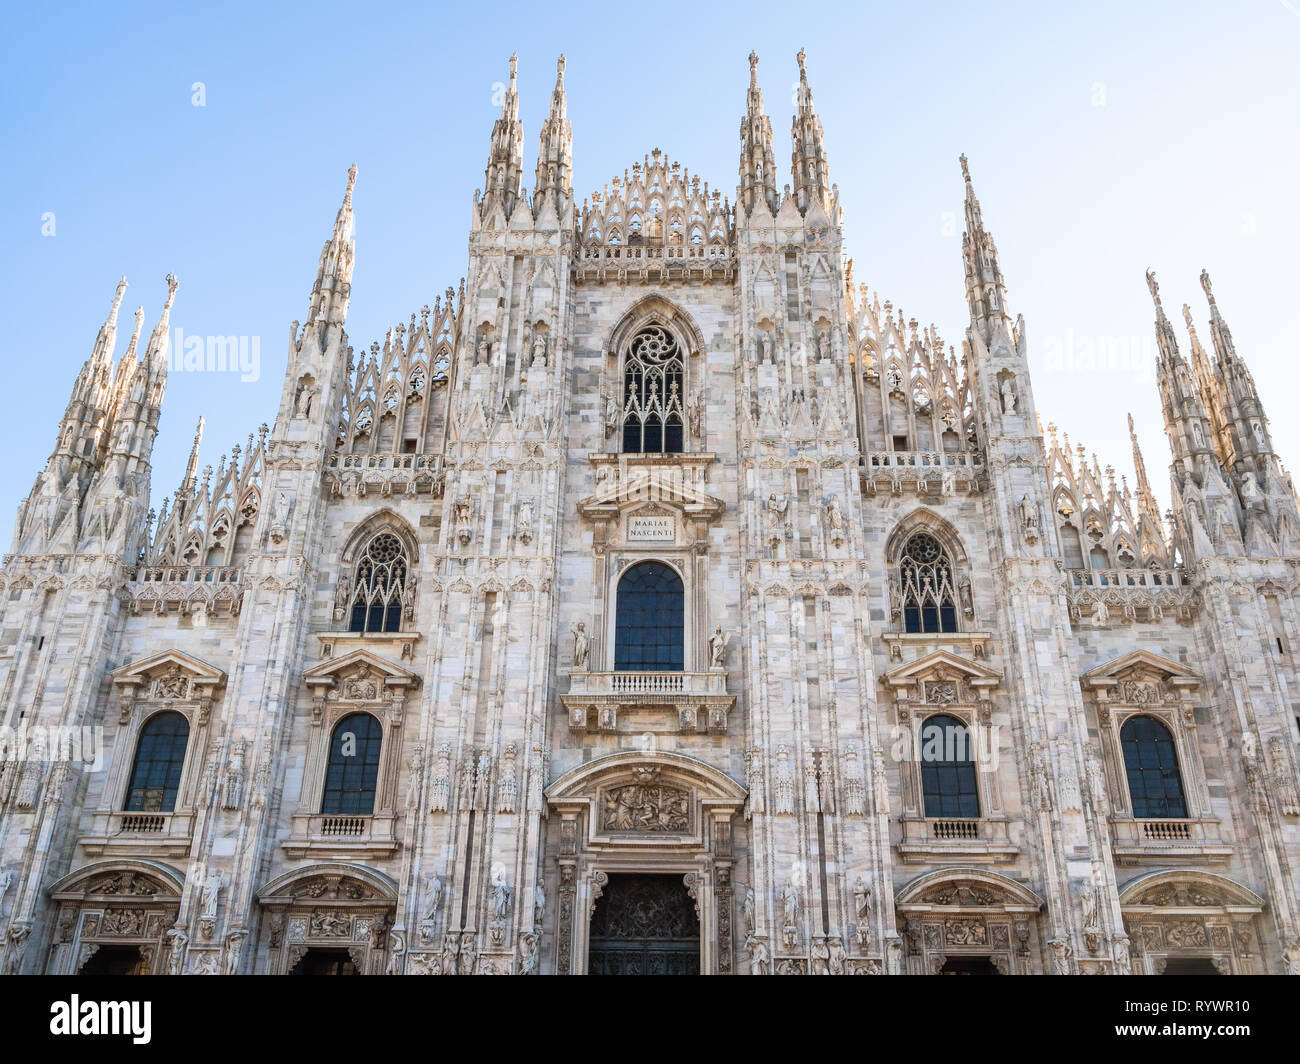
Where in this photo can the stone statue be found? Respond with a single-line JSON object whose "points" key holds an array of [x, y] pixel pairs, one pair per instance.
{"points": [[747, 910], [611, 416], [210, 894], [539, 904], [500, 892], [759, 959], [835, 963], [524, 526], [581, 646], [432, 896], [1028, 514], [718, 648], [1088, 901], [1010, 400], [821, 956], [835, 514], [179, 940], [484, 353], [539, 350], [528, 953], [1250, 493], [862, 900], [790, 912], [764, 346]]}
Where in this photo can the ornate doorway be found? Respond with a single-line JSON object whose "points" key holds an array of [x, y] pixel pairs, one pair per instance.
{"points": [[644, 925]]}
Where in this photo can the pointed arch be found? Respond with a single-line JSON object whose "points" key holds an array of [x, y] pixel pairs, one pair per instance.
{"points": [[924, 519], [661, 309]]}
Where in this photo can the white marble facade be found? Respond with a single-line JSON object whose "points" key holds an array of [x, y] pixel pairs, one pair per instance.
{"points": [[520, 777]]}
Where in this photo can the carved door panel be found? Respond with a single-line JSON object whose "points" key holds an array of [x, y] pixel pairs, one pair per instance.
{"points": [[644, 925]]}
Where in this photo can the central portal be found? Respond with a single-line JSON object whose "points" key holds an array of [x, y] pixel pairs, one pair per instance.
{"points": [[644, 925]]}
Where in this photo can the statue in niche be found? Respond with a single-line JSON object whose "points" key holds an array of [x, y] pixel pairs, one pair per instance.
{"points": [[500, 892], [581, 646], [835, 514], [1028, 514], [822, 346], [611, 415], [1250, 493], [695, 414], [539, 351], [718, 648], [759, 958], [1007, 390], [525, 522], [835, 963], [764, 346], [483, 355]]}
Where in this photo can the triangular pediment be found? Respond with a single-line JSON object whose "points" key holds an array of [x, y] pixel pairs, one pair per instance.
{"points": [[940, 665], [1139, 665], [635, 487], [360, 665], [168, 664]]}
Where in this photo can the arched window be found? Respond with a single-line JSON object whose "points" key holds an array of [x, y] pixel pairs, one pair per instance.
{"points": [[353, 766], [159, 758], [948, 769], [650, 620], [379, 588], [929, 598], [652, 393], [1151, 763]]}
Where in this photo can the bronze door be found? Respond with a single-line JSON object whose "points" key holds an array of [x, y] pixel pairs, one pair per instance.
{"points": [[644, 925]]}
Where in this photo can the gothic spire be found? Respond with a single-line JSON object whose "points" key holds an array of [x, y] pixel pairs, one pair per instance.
{"points": [[1148, 511], [757, 163], [192, 466], [106, 340], [1243, 410], [503, 179], [329, 294], [986, 290], [808, 161], [555, 151], [1186, 421]]}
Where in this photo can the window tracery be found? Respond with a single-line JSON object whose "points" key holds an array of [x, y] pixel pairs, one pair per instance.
{"points": [[653, 384]]}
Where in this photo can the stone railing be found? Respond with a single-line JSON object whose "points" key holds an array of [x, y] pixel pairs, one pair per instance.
{"points": [[114, 833], [955, 829], [1127, 578], [644, 260], [386, 474], [942, 472], [699, 700], [1111, 596], [185, 574], [1132, 839], [349, 835], [927, 839]]}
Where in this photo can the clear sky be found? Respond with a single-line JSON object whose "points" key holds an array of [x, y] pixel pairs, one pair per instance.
{"points": [[1102, 140]]}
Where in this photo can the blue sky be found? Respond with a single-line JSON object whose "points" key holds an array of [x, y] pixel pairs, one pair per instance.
{"points": [[1102, 140]]}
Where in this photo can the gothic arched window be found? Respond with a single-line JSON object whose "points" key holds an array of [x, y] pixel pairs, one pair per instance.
{"points": [[929, 597], [379, 588], [1151, 764], [353, 768], [650, 620], [948, 779], [653, 381], [159, 758]]}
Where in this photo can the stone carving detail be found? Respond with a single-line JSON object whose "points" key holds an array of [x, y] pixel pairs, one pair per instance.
{"points": [[440, 792], [171, 685], [784, 782], [129, 883], [645, 808]]}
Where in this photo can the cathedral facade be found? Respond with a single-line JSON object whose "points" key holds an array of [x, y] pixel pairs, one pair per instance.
{"points": [[654, 602]]}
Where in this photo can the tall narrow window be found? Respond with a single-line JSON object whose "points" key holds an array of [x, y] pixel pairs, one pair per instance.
{"points": [[948, 769], [159, 758], [652, 393], [929, 599], [380, 586], [650, 620], [353, 770], [1151, 762]]}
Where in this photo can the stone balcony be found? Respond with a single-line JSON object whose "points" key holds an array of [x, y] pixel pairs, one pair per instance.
{"points": [[937, 473], [940, 839], [1167, 841], [118, 834], [693, 701], [649, 262], [384, 475], [1111, 596], [341, 835]]}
